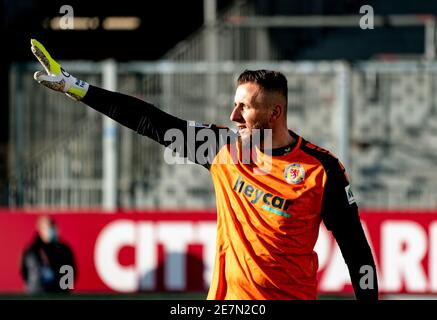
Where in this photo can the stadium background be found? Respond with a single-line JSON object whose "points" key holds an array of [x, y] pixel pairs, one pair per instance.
{"points": [[366, 94]]}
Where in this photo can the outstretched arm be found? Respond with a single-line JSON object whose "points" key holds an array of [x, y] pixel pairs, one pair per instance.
{"points": [[340, 215], [136, 114], [129, 111]]}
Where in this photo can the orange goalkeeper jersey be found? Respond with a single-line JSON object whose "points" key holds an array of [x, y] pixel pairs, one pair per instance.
{"points": [[268, 224]]}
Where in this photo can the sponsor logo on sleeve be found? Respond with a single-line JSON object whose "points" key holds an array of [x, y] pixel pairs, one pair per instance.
{"points": [[192, 123], [349, 194]]}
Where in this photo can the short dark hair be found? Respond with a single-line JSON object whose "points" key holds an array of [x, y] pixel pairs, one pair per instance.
{"points": [[266, 79]]}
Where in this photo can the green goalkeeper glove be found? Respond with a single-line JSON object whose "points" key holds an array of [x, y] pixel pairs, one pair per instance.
{"points": [[54, 76]]}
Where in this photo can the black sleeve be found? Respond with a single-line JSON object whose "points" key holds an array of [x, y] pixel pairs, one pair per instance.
{"points": [[148, 120], [340, 215], [23, 265]]}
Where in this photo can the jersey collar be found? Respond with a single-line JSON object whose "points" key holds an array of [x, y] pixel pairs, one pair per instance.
{"points": [[283, 151]]}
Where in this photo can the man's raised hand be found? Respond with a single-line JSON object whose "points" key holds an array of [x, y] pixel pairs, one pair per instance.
{"points": [[54, 76]]}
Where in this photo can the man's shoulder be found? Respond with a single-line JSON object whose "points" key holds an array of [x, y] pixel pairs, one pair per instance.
{"points": [[325, 156], [31, 252], [60, 245], [329, 161], [34, 245]]}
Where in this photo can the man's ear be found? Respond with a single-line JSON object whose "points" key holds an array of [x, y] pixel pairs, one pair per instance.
{"points": [[276, 112]]}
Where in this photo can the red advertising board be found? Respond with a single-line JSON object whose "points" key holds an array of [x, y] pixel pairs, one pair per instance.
{"points": [[174, 251]]}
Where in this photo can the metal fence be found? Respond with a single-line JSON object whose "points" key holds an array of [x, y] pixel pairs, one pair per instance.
{"points": [[379, 118], [394, 134]]}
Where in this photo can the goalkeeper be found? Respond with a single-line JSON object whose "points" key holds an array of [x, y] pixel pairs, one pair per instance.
{"points": [[267, 224]]}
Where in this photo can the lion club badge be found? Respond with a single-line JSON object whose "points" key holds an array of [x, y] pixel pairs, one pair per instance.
{"points": [[294, 173]]}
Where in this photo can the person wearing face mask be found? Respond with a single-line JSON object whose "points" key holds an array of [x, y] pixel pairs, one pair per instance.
{"points": [[42, 260]]}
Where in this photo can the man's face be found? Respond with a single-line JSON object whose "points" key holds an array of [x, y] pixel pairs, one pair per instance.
{"points": [[44, 228], [249, 111]]}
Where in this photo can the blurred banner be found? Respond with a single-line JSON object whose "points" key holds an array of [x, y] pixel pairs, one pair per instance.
{"points": [[172, 251]]}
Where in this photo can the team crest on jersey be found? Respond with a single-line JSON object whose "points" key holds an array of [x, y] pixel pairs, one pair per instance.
{"points": [[294, 173]]}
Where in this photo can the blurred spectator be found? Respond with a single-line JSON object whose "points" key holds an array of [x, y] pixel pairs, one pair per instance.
{"points": [[43, 258]]}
